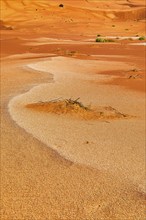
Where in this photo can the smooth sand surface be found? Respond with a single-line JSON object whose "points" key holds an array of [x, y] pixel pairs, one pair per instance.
{"points": [[35, 176], [69, 136], [59, 167]]}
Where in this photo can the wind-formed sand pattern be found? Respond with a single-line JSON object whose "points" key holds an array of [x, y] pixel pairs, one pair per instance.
{"points": [[73, 109], [82, 130]]}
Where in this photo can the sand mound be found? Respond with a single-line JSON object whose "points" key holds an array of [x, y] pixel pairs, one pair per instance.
{"points": [[77, 109]]}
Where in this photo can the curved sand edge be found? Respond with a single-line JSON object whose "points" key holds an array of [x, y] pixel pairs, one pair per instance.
{"points": [[87, 144]]}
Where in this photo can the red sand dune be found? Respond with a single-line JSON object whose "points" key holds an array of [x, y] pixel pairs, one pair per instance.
{"points": [[80, 16]]}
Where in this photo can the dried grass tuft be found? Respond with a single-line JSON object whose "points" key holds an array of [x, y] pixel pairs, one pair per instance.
{"points": [[76, 108]]}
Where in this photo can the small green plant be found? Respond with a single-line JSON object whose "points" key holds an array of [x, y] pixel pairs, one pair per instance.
{"points": [[103, 40], [99, 40], [141, 38]]}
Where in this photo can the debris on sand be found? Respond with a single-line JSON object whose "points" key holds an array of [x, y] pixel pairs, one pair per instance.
{"points": [[134, 76]]}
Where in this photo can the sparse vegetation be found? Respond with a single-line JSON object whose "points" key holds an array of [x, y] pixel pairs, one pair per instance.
{"points": [[141, 38], [61, 5], [76, 102], [99, 40], [76, 108], [103, 40]]}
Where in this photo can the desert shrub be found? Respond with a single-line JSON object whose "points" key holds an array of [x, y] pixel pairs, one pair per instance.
{"points": [[103, 40], [61, 5], [141, 38], [76, 108], [99, 40]]}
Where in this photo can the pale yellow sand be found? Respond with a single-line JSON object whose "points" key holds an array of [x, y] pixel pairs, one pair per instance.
{"points": [[39, 184], [115, 146], [36, 182]]}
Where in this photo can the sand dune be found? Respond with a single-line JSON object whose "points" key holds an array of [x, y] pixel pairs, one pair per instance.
{"points": [[58, 165], [69, 82], [81, 191], [76, 16]]}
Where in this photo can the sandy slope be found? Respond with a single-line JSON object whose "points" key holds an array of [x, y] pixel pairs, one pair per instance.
{"points": [[37, 183], [69, 135], [29, 168], [75, 18]]}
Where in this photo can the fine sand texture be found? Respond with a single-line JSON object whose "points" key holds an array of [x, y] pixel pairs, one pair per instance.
{"points": [[89, 141], [72, 110]]}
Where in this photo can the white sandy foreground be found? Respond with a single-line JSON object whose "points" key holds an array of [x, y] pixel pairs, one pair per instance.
{"points": [[116, 146]]}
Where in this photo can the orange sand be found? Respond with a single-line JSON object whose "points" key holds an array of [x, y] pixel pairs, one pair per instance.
{"points": [[39, 181]]}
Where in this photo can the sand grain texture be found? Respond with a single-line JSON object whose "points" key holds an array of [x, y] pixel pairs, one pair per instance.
{"points": [[59, 167]]}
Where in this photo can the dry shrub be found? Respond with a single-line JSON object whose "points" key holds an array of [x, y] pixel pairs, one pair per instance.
{"points": [[77, 109]]}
